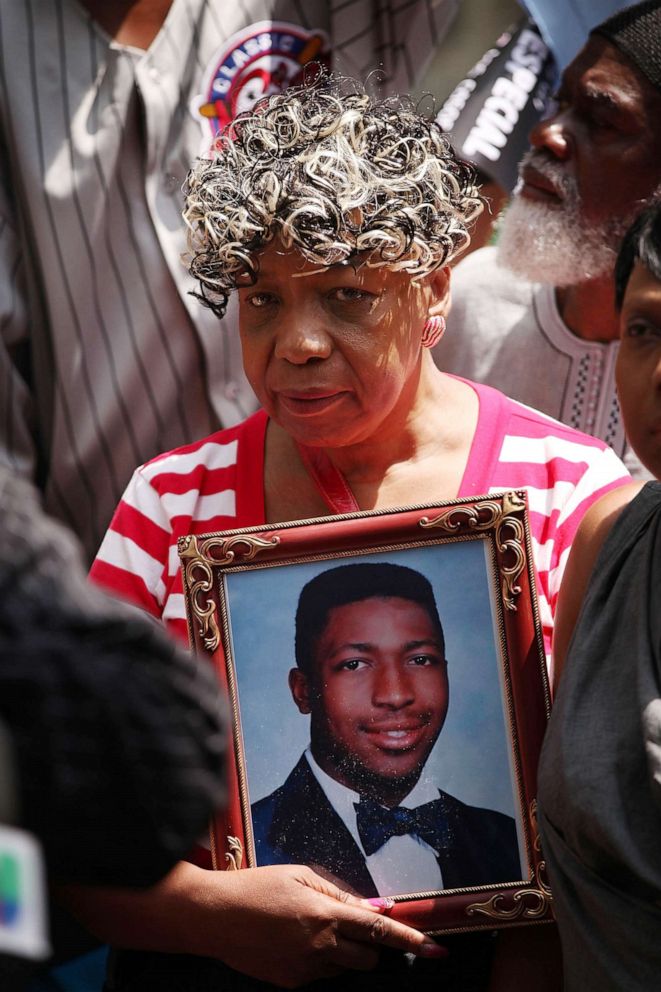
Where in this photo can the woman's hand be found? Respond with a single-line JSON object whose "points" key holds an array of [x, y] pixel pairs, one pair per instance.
{"points": [[289, 926], [282, 924]]}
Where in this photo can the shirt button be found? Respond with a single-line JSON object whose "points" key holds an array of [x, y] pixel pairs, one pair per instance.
{"points": [[154, 73], [232, 390]]}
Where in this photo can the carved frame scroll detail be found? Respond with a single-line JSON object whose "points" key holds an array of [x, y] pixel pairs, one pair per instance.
{"points": [[507, 518], [198, 559], [526, 904]]}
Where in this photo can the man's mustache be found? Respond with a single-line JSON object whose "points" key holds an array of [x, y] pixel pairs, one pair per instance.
{"points": [[555, 173]]}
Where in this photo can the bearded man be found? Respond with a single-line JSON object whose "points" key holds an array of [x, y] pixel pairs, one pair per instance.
{"points": [[535, 317]]}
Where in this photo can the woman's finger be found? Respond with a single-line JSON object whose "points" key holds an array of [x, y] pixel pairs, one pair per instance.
{"points": [[370, 928], [362, 921]]}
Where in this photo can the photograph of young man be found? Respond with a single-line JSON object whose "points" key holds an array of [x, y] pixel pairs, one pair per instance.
{"points": [[360, 806]]}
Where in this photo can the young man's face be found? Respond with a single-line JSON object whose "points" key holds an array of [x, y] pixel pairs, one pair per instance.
{"points": [[378, 696], [638, 370]]}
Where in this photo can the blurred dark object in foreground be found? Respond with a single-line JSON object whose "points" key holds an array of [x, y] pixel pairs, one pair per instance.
{"points": [[117, 736]]}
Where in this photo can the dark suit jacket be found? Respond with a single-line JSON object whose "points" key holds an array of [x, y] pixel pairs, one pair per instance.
{"points": [[297, 825]]}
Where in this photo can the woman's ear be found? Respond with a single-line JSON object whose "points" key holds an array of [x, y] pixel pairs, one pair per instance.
{"points": [[437, 305], [439, 299], [299, 688]]}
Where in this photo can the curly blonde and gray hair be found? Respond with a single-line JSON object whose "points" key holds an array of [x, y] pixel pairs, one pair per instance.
{"points": [[333, 173]]}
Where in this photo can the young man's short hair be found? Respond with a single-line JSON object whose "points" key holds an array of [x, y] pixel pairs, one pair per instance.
{"points": [[352, 584]]}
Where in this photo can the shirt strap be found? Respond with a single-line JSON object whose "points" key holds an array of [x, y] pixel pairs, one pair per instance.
{"points": [[328, 479]]}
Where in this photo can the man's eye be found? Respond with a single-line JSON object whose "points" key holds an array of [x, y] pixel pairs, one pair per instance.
{"points": [[600, 119], [351, 665], [421, 660]]}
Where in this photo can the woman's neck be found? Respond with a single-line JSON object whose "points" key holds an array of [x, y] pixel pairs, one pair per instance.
{"points": [[421, 458], [439, 426]]}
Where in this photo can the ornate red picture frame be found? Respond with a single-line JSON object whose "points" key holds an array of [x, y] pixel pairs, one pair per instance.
{"points": [[387, 681]]}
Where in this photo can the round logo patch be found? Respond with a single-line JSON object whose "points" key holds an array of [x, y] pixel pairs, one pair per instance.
{"points": [[262, 59]]}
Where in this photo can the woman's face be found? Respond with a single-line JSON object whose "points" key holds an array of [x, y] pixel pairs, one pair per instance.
{"points": [[333, 355], [638, 370]]}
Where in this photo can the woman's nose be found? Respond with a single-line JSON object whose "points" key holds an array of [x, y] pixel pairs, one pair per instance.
{"points": [[302, 338], [552, 135]]}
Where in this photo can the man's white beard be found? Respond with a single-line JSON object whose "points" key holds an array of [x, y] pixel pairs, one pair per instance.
{"points": [[551, 243]]}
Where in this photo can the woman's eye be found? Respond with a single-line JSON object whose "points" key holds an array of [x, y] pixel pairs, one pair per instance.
{"points": [[642, 329], [348, 294], [260, 300]]}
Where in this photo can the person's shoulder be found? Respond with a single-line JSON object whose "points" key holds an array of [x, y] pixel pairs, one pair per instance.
{"points": [[214, 451], [478, 264], [480, 272], [458, 809], [600, 518], [274, 814], [262, 810], [577, 466], [489, 827], [525, 421], [592, 532], [296, 782]]}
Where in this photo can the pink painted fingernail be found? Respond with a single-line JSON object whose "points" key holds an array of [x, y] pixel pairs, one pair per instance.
{"points": [[432, 950], [384, 903]]}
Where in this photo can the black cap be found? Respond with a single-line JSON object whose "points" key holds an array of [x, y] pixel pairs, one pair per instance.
{"points": [[636, 31]]}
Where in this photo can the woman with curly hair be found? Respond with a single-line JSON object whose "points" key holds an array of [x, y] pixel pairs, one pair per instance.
{"points": [[333, 218]]}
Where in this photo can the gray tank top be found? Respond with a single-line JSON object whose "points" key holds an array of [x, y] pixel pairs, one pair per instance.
{"points": [[600, 770]]}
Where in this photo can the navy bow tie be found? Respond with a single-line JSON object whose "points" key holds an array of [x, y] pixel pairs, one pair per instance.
{"points": [[377, 824]]}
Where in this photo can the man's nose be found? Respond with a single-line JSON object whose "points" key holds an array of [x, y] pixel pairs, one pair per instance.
{"points": [[303, 337], [392, 687], [552, 135]]}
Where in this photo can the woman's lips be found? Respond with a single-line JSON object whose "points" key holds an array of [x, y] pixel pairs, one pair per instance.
{"points": [[308, 404]]}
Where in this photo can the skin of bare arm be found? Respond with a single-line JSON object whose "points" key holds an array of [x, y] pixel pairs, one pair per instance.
{"points": [[591, 534], [304, 926]]}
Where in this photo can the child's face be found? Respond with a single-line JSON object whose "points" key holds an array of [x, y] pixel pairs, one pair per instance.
{"points": [[638, 370]]}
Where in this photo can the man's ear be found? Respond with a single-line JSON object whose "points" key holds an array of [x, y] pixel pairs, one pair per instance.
{"points": [[439, 299], [300, 690]]}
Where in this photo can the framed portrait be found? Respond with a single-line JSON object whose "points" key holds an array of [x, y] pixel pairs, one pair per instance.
{"points": [[387, 682]]}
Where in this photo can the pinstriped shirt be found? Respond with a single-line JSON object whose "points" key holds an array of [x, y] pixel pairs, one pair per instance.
{"points": [[105, 357]]}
